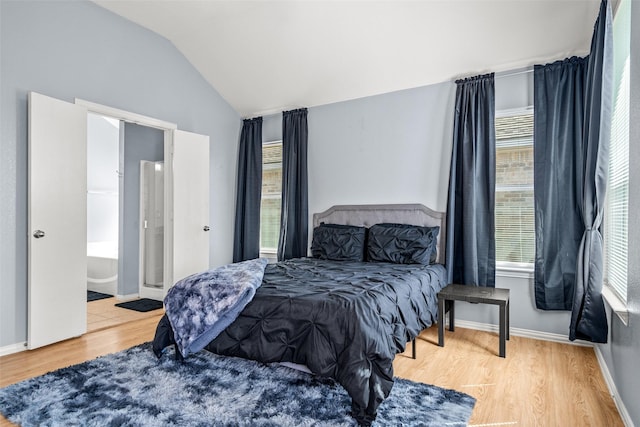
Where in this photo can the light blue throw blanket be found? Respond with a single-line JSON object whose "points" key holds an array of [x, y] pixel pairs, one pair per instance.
{"points": [[201, 306]]}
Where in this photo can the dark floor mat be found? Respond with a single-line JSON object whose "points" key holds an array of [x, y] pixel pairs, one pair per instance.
{"points": [[142, 304], [95, 296]]}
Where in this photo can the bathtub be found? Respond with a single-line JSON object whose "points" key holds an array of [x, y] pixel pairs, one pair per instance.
{"points": [[102, 267]]}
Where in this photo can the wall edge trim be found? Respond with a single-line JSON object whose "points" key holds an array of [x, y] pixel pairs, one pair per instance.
{"points": [[613, 390], [13, 348], [526, 333]]}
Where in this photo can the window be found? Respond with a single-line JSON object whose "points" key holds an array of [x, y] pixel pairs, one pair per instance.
{"points": [[616, 206], [514, 213], [271, 197]]}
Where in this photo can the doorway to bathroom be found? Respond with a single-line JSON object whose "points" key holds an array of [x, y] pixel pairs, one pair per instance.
{"points": [[125, 218], [103, 204]]}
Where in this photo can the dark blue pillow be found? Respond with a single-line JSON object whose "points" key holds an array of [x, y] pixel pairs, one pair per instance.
{"points": [[403, 244], [338, 242]]}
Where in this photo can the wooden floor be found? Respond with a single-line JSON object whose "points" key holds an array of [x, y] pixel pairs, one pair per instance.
{"points": [[103, 313], [539, 383]]}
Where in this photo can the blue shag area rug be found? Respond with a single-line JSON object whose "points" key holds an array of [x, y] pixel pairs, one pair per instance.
{"points": [[134, 388]]}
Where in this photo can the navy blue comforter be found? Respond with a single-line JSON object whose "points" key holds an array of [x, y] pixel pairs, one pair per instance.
{"points": [[345, 320]]}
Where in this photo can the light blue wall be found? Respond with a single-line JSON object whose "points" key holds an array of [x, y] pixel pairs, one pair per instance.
{"points": [[76, 49], [390, 148], [272, 128], [622, 352]]}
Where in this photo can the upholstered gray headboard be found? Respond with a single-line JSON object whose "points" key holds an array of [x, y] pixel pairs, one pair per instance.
{"points": [[368, 215]]}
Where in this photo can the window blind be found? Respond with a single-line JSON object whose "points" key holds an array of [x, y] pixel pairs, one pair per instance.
{"points": [[616, 209], [514, 213], [271, 201], [615, 226]]}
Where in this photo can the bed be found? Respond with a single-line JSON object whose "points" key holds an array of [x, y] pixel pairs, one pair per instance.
{"points": [[346, 318]]}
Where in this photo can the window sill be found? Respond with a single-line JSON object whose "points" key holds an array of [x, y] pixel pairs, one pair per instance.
{"points": [[519, 271], [272, 256], [618, 306]]}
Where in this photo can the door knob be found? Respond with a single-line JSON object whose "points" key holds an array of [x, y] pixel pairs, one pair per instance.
{"points": [[38, 234], [206, 228]]}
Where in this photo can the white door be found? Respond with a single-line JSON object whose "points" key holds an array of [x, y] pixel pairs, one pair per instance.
{"points": [[57, 204], [190, 172]]}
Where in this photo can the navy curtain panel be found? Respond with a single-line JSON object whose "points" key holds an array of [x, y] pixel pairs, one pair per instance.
{"points": [[588, 315], [558, 124], [246, 243], [294, 216], [573, 105], [471, 254]]}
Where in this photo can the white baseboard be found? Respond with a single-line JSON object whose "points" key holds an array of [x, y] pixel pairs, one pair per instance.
{"points": [[22, 346], [526, 333], [613, 390], [127, 297], [563, 339], [13, 348], [151, 293]]}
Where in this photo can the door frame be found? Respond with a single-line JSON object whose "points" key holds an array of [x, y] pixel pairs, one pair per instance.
{"points": [[168, 128]]}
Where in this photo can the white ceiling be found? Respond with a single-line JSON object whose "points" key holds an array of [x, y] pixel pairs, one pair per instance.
{"points": [[267, 56]]}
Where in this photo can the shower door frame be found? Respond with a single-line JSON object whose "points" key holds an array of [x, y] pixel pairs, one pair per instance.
{"points": [[146, 291]]}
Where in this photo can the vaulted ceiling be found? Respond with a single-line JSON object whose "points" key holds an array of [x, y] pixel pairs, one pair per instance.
{"points": [[268, 56]]}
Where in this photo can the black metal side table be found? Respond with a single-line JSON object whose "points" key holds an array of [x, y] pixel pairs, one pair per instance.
{"points": [[496, 296]]}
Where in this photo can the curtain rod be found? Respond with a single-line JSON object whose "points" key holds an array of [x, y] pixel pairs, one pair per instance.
{"points": [[507, 73], [514, 73]]}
